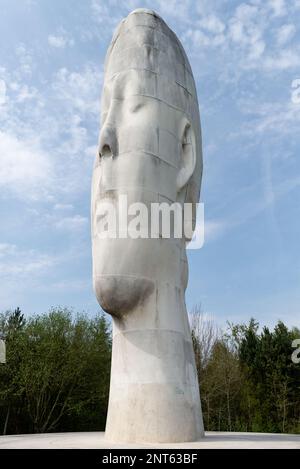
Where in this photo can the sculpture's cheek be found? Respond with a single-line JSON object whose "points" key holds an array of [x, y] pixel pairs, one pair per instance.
{"points": [[119, 295]]}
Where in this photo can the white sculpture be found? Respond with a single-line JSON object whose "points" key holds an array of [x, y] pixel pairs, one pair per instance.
{"points": [[2, 351], [150, 151]]}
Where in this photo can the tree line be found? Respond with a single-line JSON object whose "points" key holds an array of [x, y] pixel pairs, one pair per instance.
{"points": [[56, 376], [57, 372], [248, 380]]}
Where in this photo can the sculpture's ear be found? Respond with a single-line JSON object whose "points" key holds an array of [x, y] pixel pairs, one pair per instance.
{"points": [[187, 158]]}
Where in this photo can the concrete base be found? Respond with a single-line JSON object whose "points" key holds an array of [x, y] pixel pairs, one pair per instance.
{"points": [[95, 440]]}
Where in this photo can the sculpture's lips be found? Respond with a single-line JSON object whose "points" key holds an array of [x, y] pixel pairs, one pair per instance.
{"points": [[120, 294]]}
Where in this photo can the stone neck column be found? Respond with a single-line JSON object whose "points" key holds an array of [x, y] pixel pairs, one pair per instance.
{"points": [[154, 393]]}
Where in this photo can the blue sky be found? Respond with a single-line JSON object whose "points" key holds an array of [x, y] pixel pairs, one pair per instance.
{"points": [[245, 56]]}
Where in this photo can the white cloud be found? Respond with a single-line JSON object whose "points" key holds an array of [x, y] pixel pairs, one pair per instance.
{"points": [[63, 207], [209, 32], [25, 92], [212, 24], [241, 35], [57, 41], [76, 222], [245, 13], [76, 285], [213, 229], [2, 92], [19, 262], [25, 57], [26, 267], [257, 50], [25, 169], [278, 7], [80, 89], [60, 41], [283, 60], [279, 118], [45, 147], [199, 38], [246, 31], [173, 8], [7, 249], [285, 33], [106, 16], [236, 30], [244, 36]]}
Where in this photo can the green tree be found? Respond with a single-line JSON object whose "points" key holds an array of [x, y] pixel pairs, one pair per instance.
{"points": [[247, 379], [12, 324], [273, 378], [57, 372]]}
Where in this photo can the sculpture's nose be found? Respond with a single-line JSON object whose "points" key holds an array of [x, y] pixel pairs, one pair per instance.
{"points": [[108, 143]]}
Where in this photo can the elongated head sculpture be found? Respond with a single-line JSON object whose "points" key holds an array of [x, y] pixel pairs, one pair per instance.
{"points": [[149, 159]]}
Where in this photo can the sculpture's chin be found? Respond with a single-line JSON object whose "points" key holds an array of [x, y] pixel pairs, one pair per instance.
{"points": [[119, 295]]}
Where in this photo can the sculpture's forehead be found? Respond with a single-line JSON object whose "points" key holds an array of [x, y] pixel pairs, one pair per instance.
{"points": [[137, 34], [144, 43], [141, 69]]}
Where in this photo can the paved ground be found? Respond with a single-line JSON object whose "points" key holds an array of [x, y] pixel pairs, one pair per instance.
{"points": [[96, 440]]}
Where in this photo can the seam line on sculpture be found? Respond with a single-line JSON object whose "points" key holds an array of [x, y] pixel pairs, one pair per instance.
{"points": [[162, 101], [150, 329], [141, 150], [151, 154], [154, 72], [119, 188], [121, 51], [108, 124], [166, 31], [147, 153], [133, 188], [121, 275], [155, 156], [169, 36], [109, 77], [148, 96]]}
